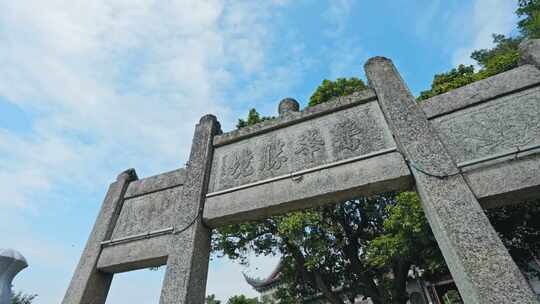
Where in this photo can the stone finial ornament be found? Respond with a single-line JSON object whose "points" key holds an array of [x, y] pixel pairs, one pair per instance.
{"points": [[288, 105], [11, 263]]}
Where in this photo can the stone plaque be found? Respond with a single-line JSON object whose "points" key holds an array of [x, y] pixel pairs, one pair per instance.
{"points": [[147, 213], [349, 133], [497, 126]]}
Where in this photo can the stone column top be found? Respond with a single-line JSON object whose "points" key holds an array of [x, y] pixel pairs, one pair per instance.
{"points": [[530, 52], [11, 263], [288, 105], [14, 256]]}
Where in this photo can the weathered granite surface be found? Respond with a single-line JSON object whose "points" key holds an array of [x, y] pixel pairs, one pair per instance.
{"points": [[187, 264], [89, 285], [288, 105], [134, 255], [156, 183], [477, 92], [292, 117], [11, 263], [351, 132], [147, 213], [530, 52], [480, 264], [508, 181], [505, 123], [386, 172]]}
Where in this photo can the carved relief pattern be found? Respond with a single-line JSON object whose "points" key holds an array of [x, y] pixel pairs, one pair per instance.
{"points": [[238, 164], [309, 143], [346, 135], [490, 130], [272, 155], [146, 213]]}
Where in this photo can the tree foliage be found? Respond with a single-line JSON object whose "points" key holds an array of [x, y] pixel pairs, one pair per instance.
{"points": [[408, 235], [453, 79], [253, 118], [502, 57], [349, 247], [21, 298], [331, 89], [519, 229], [211, 299], [529, 11], [241, 299]]}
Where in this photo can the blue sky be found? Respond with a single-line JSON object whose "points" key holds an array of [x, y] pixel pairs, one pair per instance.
{"points": [[90, 88]]}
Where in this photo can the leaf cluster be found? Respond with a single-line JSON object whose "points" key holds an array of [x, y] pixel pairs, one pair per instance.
{"points": [[502, 57], [331, 89], [519, 229], [253, 118], [22, 298], [242, 299], [351, 246], [407, 235], [529, 11]]}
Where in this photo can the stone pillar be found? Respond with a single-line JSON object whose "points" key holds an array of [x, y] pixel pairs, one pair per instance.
{"points": [[480, 264], [187, 264], [88, 285], [530, 52], [11, 263]]}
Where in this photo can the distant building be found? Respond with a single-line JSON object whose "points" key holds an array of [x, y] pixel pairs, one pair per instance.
{"points": [[443, 291]]}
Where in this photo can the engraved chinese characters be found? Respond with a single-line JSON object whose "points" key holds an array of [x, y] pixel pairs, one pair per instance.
{"points": [[319, 141], [239, 164], [309, 143], [236, 165], [352, 136], [506, 123], [272, 155], [346, 134]]}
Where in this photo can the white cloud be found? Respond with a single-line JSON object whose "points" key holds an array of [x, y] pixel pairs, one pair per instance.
{"points": [[112, 85], [488, 17]]}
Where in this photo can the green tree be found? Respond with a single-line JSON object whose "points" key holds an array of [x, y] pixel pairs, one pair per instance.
{"points": [[241, 299], [253, 118], [519, 229], [502, 57], [529, 11], [21, 298], [211, 299], [453, 79], [331, 89], [352, 246]]}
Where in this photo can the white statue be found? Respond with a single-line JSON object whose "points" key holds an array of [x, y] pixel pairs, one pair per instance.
{"points": [[11, 263]]}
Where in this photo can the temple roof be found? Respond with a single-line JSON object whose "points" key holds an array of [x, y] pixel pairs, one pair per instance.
{"points": [[263, 284]]}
